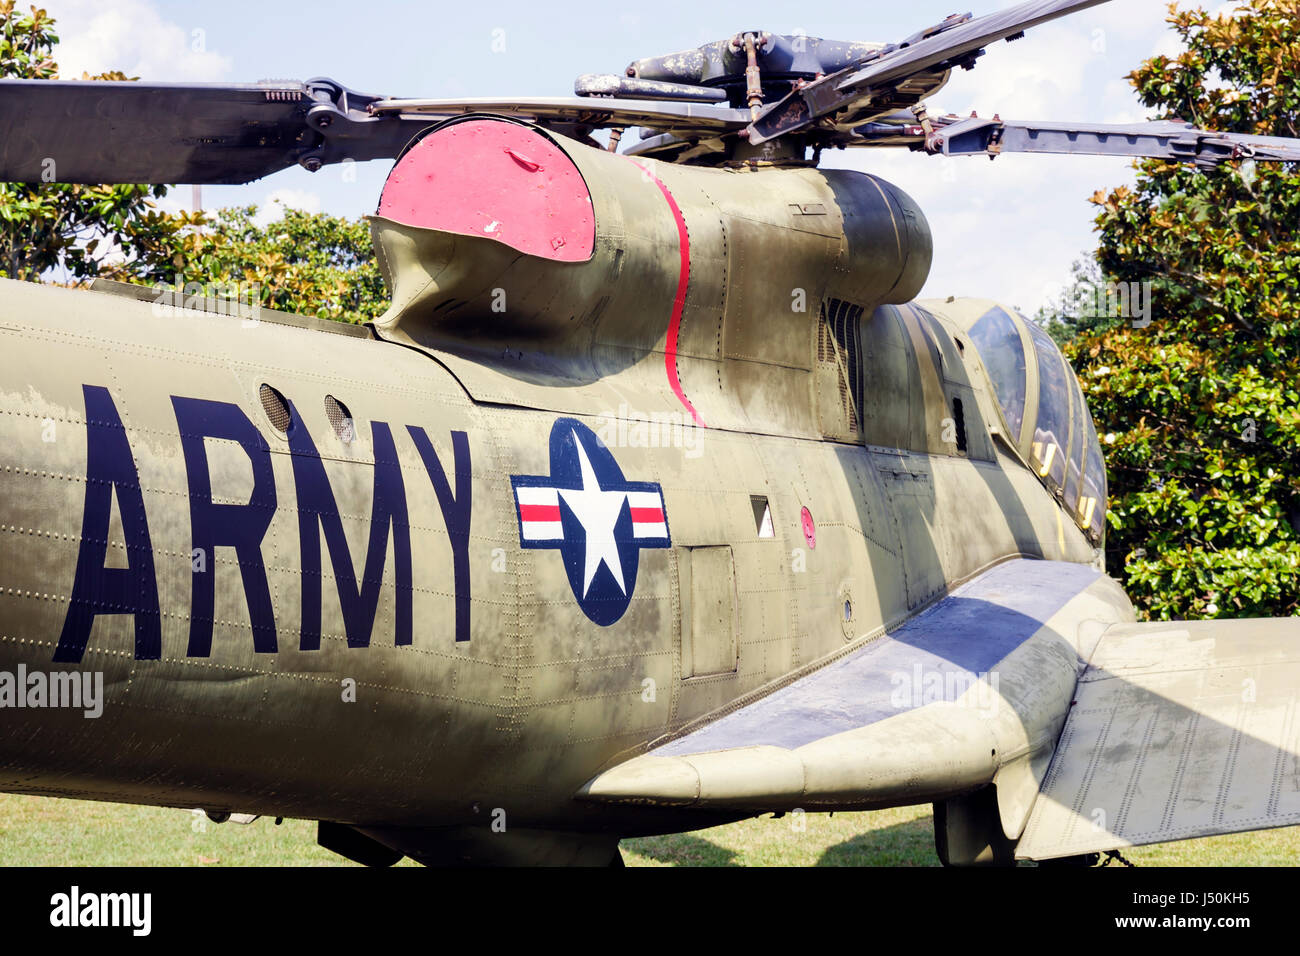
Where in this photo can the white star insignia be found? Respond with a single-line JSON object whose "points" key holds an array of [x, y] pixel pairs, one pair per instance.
{"points": [[597, 511]]}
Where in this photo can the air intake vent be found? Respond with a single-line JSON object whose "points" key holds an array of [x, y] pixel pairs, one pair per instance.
{"points": [[276, 407], [340, 419], [838, 342]]}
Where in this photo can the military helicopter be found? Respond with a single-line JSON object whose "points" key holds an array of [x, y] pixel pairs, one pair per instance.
{"points": [[653, 501]]}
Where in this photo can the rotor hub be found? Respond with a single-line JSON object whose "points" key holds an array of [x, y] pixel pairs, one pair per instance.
{"points": [[783, 61]]}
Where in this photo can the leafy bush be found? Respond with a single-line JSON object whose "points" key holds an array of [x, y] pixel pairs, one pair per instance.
{"points": [[1201, 409]]}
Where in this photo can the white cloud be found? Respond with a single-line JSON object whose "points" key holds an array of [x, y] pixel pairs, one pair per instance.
{"points": [[1011, 229], [272, 208], [177, 200], [132, 36], [1031, 77]]}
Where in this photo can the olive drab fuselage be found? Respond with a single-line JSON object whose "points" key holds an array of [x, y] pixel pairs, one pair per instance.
{"points": [[570, 507]]}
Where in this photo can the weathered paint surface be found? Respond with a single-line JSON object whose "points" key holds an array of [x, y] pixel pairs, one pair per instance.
{"points": [[239, 703]]}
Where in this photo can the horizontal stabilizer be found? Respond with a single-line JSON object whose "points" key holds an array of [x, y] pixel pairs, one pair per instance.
{"points": [[1178, 730]]}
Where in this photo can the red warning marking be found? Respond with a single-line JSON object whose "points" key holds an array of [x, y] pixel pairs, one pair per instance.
{"points": [[679, 302]]}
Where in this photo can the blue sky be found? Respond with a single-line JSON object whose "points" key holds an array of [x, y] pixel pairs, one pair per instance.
{"points": [[1007, 230]]}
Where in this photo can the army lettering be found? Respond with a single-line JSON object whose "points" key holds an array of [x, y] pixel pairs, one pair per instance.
{"points": [[455, 512], [96, 589], [317, 510], [212, 526], [111, 472]]}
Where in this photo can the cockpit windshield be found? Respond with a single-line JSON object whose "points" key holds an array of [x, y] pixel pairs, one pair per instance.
{"points": [[1052, 428], [998, 341], [1036, 383], [1092, 503]]}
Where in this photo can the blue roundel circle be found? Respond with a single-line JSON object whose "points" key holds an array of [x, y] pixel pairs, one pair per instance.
{"points": [[593, 516]]}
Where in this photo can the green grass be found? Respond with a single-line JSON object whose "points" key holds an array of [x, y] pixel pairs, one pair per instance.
{"points": [[41, 831], [903, 836], [46, 831]]}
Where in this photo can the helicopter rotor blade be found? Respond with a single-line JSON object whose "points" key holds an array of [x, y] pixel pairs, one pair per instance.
{"points": [[958, 41], [128, 132], [685, 118], [1171, 140]]}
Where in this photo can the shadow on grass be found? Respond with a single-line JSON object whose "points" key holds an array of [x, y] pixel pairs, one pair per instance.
{"points": [[903, 844], [681, 849]]}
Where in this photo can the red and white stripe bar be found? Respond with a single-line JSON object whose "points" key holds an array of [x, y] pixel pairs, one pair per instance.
{"points": [[647, 514], [539, 514]]}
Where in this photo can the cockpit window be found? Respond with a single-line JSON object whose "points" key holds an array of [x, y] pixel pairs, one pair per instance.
{"points": [[1092, 503], [1060, 438], [998, 341], [1074, 466], [1052, 430]]}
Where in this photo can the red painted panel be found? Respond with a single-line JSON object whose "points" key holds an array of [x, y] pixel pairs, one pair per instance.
{"points": [[498, 180]]}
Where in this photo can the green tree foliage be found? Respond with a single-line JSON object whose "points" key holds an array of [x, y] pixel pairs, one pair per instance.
{"points": [[57, 225], [310, 263], [1201, 408], [313, 264]]}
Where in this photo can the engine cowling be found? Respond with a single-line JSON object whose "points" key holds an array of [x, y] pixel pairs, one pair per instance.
{"points": [[574, 264]]}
